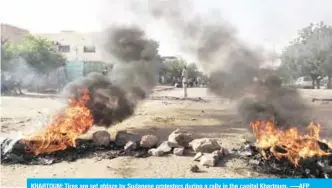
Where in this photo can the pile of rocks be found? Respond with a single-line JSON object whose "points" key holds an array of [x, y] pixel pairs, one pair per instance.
{"points": [[177, 142], [208, 151]]}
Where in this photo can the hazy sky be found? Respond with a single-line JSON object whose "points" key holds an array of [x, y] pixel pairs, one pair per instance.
{"points": [[263, 22]]}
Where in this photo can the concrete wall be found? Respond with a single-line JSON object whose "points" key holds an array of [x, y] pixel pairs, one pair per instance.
{"points": [[12, 34], [77, 42]]}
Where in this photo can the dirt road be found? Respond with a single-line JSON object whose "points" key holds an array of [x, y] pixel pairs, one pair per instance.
{"points": [[215, 119]]}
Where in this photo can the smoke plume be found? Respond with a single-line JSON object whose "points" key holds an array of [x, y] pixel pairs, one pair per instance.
{"points": [[231, 65], [115, 96], [28, 77]]}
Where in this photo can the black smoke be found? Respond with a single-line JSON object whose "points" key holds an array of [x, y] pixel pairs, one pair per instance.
{"points": [[233, 67], [134, 75], [272, 101]]}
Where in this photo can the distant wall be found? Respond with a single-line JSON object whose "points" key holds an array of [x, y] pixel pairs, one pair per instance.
{"points": [[76, 46], [77, 69], [74, 69], [12, 34]]}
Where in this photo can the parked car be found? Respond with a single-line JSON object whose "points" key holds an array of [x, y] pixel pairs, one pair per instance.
{"points": [[304, 82]]}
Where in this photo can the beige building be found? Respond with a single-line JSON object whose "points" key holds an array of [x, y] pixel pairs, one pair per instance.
{"points": [[12, 34], [78, 46]]}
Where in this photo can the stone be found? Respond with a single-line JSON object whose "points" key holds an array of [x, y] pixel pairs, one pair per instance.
{"points": [[155, 152], [226, 152], [174, 145], [198, 156], [246, 153], [148, 141], [194, 168], [180, 137], [253, 162], [164, 147], [205, 145], [178, 151], [101, 138], [218, 154], [122, 137], [208, 160], [131, 145]]}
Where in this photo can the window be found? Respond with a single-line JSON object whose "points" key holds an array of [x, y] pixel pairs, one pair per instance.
{"points": [[64, 48], [89, 49]]}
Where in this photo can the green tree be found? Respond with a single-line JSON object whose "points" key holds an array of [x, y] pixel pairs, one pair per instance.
{"points": [[39, 53], [327, 67], [289, 69], [193, 71], [174, 67], [325, 48], [6, 55], [308, 54]]}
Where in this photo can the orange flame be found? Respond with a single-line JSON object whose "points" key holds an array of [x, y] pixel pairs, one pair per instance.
{"points": [[289, 144], [64, 128]]}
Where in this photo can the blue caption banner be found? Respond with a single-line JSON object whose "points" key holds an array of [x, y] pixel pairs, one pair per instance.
{"points": [[179, 183]]}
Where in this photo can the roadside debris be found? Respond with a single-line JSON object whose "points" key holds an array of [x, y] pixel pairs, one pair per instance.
{"points": [[322, 99], [194, 168], [15, 153], [164, 147], [209, 160], [123, 137], [169, 98], [101, 138], [205, 145], [225, 151], [178, 151], [156, 152], [161, 150], [218, 154], [198, 156], [179, 143], [148, 141], [180, 137], [131, 145]]}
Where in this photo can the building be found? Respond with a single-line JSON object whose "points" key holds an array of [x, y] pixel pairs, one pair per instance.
{"points": [[12, 34], [77, 46]]}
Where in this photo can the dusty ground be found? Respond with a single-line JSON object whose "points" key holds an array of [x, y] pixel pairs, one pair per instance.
{"points": [[215, 119]]}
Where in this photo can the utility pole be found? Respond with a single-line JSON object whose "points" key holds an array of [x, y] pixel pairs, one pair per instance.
{"points": [[81, 43]]}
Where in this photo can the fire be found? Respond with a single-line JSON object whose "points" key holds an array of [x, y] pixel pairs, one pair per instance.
{"points": [[64, 128], [289, 143]]}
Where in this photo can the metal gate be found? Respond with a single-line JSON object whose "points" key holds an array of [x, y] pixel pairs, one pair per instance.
{"points": [[77, 69], [93, 66], [74, 69]]}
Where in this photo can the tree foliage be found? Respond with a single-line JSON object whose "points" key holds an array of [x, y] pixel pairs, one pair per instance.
{"points": [[310, 54], [173, 68], [39, 53], [6, 56]]}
